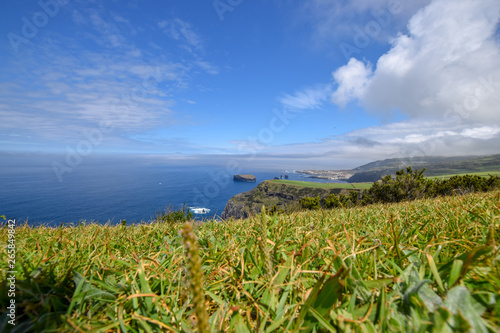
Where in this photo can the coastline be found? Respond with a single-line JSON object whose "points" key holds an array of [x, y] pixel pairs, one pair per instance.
{"points": [[328, 174]]}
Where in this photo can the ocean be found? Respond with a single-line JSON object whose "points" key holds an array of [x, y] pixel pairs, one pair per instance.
{"points": [[110, 193]]}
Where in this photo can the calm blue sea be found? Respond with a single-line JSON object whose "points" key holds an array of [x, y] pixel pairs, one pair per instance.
{"points": [[111, 193]]}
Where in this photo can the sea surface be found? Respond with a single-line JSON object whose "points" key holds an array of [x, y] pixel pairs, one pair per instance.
{"points": [[112, 193]]}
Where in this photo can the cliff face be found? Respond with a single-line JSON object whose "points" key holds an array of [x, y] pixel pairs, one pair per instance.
{"points": [[244, 178], [267, 193]]}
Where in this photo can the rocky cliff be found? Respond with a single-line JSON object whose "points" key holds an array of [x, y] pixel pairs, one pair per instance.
{"points": [[284, 196], [244, 178]]}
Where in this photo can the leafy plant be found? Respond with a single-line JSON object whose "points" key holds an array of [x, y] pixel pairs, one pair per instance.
{"points": [[310, 203], [331, 201], [408, 185]]}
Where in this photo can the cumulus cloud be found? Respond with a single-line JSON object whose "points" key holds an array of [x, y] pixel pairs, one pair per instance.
{"points": [[443, 75], [60, 89], [448, 65], [352, 80]]}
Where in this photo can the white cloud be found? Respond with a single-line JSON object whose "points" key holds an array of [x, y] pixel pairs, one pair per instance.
{"points": [[121, 19], [444, 74], [108, 34], [336, 20], [483, 133], [309, 98], [162, 24], [404, 139], [448, 65], [207, 67], [58, 93], [352, 80], [182, 31], [190, 41], [62, 86]]}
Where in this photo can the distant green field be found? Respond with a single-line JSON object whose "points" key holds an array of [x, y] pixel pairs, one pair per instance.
{"points": [[367, 185], [362, 186], [480, 174]]}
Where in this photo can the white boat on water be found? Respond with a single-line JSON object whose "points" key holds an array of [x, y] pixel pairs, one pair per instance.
{"points": [[199, 210]]}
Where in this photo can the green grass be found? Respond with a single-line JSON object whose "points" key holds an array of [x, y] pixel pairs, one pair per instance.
{"points": [[367, 185], [324, 185], [480, 174], [421, 266]]}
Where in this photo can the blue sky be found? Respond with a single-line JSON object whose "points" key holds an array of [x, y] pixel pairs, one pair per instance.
{"points": [[320, 83]]}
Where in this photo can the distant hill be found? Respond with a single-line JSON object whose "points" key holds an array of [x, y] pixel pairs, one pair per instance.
{"points": [[435, 166]]}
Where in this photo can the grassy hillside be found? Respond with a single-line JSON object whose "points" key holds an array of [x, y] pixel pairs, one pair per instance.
{"points": [[435, 166], [430, 265], [367, 185], [475, 164], [324, 185], [459, 164], [480, 174]]}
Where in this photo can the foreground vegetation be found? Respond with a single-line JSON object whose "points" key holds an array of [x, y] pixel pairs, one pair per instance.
{"points": [[425, 265], [367, 185], [408, 184]]}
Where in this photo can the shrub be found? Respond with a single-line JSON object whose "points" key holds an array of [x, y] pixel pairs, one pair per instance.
{"points": [[174, 216], [463, 184], [411, 185], [331, 201], [408, 185], [353, 197], [310, 203], [274, 210]]}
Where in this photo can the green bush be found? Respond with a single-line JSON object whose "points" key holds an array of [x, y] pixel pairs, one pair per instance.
{"points": [[310, 203], [408, 185], [342, 200], [353, 197], [331, 201], [274, 210], [463, 184]]}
